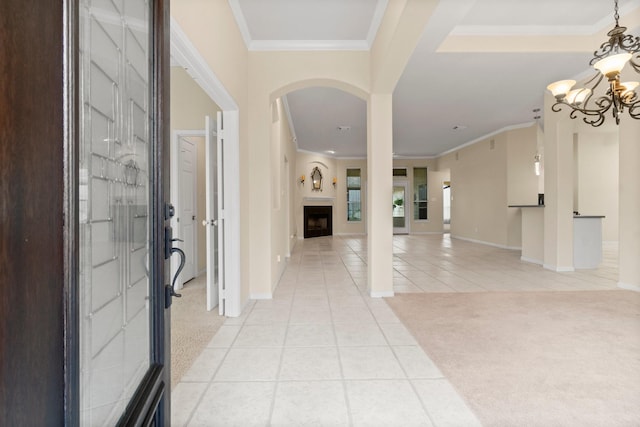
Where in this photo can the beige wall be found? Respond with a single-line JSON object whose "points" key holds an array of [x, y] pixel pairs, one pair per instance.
{"points": [[304, 195], [283, 159], [211, 27], [271, 75], [522, 182], [485, 178], [596, 166], [189, 103]]}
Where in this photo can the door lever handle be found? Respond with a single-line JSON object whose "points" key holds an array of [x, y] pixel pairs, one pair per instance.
{"points": [[170, 290]]}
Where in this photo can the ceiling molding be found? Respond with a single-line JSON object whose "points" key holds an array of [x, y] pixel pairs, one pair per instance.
{"points": [[524, 30], [489, 135], [378, 14], [603, 24], [185, 54], [241, 22], [307, 45]]}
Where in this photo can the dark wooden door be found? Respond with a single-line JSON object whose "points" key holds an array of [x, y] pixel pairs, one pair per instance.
{"points": [[83, 136]]}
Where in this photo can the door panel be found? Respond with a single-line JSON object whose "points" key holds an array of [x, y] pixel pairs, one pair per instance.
{"points": [[400, 218], [213, 217], [116, 209], [187, 207]]}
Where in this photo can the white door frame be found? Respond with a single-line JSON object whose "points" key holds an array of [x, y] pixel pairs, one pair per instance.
{"points": [[174, 188], [184, 53], [192, 248]]}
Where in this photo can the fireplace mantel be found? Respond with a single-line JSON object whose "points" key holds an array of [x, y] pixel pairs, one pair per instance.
{"points": [[319, 199]]}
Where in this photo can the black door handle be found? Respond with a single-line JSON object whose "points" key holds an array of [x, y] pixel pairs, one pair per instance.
{"points": [[170, 290]]}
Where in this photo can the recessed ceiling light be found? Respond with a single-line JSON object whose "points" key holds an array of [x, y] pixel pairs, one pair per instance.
{"points": [[344, 128], [331, 152]]}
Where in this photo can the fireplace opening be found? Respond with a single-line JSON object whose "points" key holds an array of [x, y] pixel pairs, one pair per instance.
{"points": [[318, 221]]}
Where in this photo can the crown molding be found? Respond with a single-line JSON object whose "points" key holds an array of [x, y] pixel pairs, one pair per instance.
{"points": [[307, 45], [378, 14], [544, 30], [489, 135], [241, 22]]}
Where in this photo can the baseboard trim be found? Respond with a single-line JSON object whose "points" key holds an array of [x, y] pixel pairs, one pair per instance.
{"points": [[629, 286], [531, 260], [426, 232], [381, 294], [558, 269], [261, 296], [482, 242]]}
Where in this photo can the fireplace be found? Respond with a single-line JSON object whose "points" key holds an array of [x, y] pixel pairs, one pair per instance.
{"points": [[318, 221]]}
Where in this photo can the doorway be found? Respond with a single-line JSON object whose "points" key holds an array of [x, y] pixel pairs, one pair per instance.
{"points": [[190, 179], [446, 206], [400, 212], [196, 157]]}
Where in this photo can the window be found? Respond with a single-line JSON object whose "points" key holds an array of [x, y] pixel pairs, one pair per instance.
{"points": [[420, 193], [400, 172], [354, 211]]}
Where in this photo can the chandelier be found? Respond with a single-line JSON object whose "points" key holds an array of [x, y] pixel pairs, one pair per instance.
{"points": [[612, 56]]}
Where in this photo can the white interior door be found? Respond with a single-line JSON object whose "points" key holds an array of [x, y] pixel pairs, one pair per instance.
{"points": [[400, 209], [187, 215], [214, 221]]}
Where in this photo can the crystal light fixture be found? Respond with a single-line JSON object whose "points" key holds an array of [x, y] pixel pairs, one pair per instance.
{"points": [[612, 56]]}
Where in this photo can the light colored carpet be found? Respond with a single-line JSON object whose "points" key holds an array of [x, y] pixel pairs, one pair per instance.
{"points": [[192, 327], [535, 358]]}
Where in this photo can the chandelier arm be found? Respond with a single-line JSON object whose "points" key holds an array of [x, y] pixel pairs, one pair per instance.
{"points": [[634, 110], [618, 95], [592, 117]]}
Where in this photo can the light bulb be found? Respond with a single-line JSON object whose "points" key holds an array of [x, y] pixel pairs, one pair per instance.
{"points": [[560, 88], [612, 65], [577, 96]]}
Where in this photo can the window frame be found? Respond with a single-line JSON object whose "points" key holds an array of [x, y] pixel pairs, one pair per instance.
{"points": [[416, 194], [351, 218]]}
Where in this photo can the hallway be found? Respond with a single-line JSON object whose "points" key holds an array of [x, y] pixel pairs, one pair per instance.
{"points": [[321, 353]]}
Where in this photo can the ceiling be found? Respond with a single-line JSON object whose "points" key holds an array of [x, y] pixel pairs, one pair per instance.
{"points": [[452, 92]]}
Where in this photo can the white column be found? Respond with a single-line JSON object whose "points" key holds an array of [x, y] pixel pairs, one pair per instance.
{"points": [[379, 194], [558, 187], [629, 203]]}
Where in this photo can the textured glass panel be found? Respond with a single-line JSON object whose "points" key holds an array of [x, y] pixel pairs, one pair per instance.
{"points": [[354, 212], [114, 196], [398, 206], [420, 193]]}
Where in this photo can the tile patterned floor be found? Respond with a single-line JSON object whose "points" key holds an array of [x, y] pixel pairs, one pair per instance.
{"points": [[323, 353]]}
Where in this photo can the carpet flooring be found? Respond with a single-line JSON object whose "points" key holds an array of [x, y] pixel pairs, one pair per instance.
{"points": [[534, 358], [192, 327]]}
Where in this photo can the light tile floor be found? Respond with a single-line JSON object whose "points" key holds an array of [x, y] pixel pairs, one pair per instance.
{"points": [[323, 353]]}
